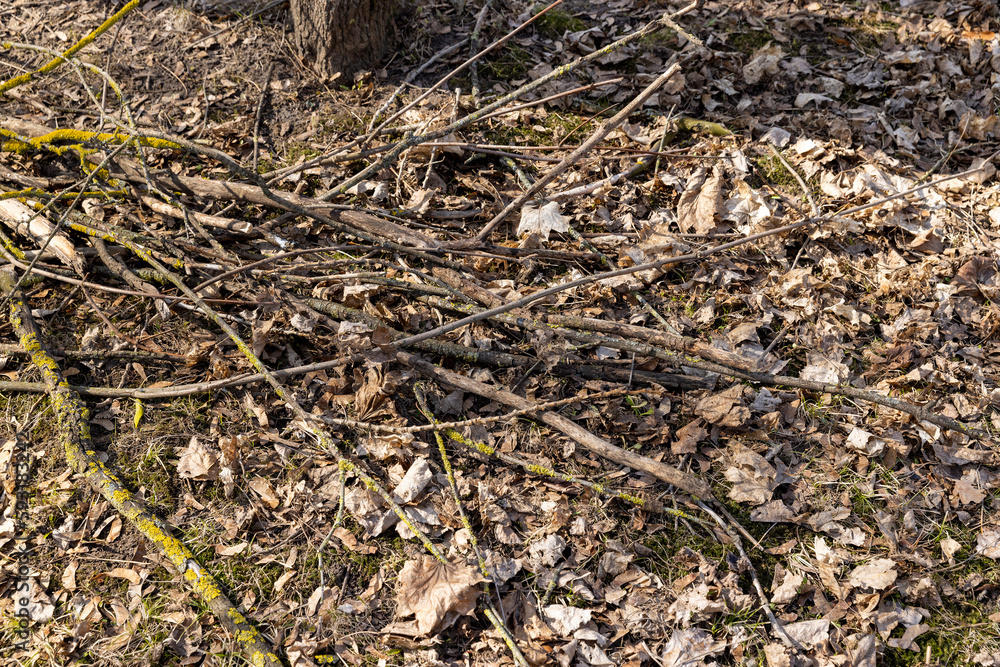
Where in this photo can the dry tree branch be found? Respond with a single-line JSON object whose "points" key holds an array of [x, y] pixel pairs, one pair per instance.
{"points": [[50, 66], [475, 58], [325, 442], [666, 261], [720, 361], [476, 116]]}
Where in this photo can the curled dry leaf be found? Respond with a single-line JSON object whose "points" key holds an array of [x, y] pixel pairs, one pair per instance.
{"points": [[789, 588], [988, 542], [753, 478], [416, 478]]}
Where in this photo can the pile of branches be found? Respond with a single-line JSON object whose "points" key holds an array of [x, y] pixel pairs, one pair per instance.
{"points": [[191, 264]]}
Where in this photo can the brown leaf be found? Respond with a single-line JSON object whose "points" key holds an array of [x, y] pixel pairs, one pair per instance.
{"points": [[700, 203], [688, 438], [198, 461], [263, 488], [436, 593], [754, 478], [720, 409]]}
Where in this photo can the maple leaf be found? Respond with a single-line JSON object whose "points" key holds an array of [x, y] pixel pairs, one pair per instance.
{"points": [[542, 220]]}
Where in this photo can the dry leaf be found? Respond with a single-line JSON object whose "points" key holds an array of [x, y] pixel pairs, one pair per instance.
{"points": [[565, 620], [764, 63], [420, 201], [198, 462], [988, 542], [436, 593], [862, 441], [722, 408], [542, 220], [789, 588], [753, 478], [262, 487], [416, 478], [689, 647], [700, 202], [688, 438], [808, 633], [877, 574]]}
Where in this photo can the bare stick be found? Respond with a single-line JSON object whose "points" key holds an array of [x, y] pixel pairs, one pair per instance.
{"points": [[764, 603], [476, 57], [396, 93], [474, 65], [599, 446], [393, 154], [802, 183], [260, 114]]}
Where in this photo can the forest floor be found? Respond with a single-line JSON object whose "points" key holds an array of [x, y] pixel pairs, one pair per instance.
{"points": [[811, 410]]}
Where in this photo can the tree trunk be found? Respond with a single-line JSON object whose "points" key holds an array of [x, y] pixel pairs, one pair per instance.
{"points": [[343, 36]]}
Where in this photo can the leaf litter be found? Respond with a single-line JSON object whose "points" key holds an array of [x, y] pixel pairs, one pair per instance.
{"points": [[873, 530]]}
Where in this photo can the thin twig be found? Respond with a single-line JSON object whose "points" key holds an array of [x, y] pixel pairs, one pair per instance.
{"points": [[260, 114]]}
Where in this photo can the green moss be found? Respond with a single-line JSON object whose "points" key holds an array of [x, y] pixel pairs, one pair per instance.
{"points": [[554, 127], [342, 122], [557, 23], [511, 62], [296, 151], [750, 41], [959, 631], [774, 172], [663, 37]]}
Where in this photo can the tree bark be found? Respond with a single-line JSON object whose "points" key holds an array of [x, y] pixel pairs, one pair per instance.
{"points": [[343, 36]]}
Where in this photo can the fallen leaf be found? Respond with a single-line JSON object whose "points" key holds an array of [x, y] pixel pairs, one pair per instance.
{"points": [[436, 593], [764, 63], [789, 588], [198, 462], [689, 647], [542, 220], [262, 487], [416, 478], [877, 574], [808, 633], [565, 620], [988, 543], [700, 202], [688, 437], [722, 408]]}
